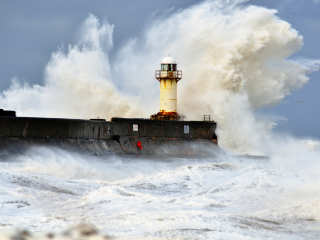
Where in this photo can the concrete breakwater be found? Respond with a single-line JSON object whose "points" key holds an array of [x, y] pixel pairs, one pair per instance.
{"points": [[97, 136]]}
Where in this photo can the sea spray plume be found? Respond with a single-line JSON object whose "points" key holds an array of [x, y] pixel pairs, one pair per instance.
{"points": [[244, 67], [78, 84], [234, 60]]}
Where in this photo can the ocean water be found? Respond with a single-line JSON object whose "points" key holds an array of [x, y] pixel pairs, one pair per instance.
{"points": [[220, 196]]}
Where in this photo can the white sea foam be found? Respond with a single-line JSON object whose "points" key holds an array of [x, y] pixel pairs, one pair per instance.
{"points": [[176, 198]]}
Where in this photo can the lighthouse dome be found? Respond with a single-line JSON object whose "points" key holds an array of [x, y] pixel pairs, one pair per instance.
{"points": [[168, 60]]}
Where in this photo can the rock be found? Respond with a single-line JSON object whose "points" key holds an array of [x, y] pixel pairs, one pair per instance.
{"points": [[79, 232]]}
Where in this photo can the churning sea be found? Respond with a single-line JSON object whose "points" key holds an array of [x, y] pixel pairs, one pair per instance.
{"points": [[219, 196]]}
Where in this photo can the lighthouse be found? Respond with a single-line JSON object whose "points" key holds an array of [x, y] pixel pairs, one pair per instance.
{"points": [[168, 77]]}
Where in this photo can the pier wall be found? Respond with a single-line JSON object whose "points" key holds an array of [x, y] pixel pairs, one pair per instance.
{"points": [[120, 135]]}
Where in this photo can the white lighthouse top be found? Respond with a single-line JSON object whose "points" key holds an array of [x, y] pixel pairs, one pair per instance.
{"points": [[168, 60]]}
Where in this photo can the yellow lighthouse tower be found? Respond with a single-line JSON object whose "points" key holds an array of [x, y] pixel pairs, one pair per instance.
{"points": [[168, 77]]}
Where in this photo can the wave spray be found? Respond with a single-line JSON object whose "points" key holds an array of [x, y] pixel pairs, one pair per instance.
{"points": [[234, 60]]}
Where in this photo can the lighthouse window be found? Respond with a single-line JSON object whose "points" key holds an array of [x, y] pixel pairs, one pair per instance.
{"points": [[172, 67], [168, 67], [164, 67]]}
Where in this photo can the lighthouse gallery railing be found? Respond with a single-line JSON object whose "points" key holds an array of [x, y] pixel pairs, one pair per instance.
{"points": [[168, 74]]}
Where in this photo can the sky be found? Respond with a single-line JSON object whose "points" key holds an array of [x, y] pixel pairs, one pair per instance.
{"points": [[32, 30]]}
